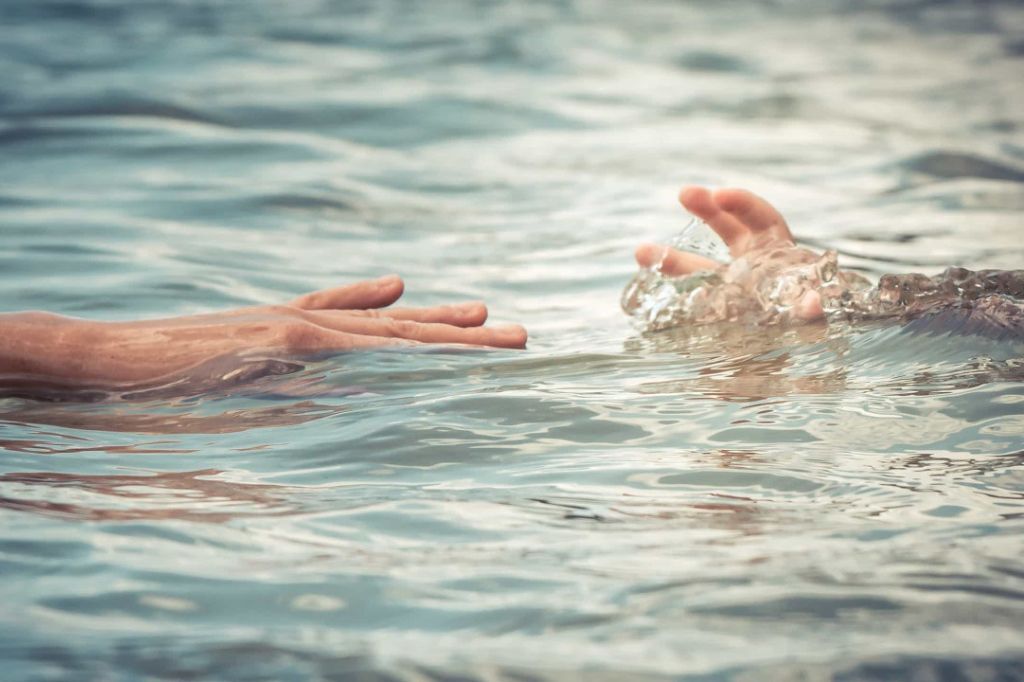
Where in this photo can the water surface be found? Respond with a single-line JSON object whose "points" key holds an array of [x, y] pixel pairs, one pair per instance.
{"points": [[797, 504]]}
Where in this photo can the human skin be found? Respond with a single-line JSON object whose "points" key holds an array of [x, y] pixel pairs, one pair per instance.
{"points": [[43, 349], [772, 280], [749, 225]]}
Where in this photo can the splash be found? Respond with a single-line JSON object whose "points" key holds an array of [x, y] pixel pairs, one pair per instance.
{"points": [[656, 301], [765, 286], [986, 302]]}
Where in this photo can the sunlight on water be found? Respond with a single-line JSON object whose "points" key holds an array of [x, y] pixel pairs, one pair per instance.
{"points": [[824, 501]]}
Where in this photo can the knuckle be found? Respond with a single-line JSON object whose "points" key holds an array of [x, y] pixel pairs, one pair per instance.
{"points": [[375, 314], [311, 300], [317, 301], [402, 328], [299, 335], [281, 309]]}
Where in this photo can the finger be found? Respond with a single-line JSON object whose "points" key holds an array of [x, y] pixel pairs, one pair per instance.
{"points": [[374, 293], [672, 262], [305, 337], [510, 336], [809, 308], [699, 202], [755, 213], [471, 314]]}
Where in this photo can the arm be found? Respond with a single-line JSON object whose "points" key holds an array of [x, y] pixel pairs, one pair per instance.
{"points": [[43, 344], [41, 348]]}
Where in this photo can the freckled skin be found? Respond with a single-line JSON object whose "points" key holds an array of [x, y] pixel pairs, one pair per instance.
{"points": [[44, 351]]}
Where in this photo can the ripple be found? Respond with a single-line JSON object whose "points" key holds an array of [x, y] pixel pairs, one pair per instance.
{"points": [[821, 502], [116, 106], [947, 165]]}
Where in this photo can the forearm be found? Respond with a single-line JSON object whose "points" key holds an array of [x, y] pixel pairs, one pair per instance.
{"points": [[42, 351], [50, 348]]}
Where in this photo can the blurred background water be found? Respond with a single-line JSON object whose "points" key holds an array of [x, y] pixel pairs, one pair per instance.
{"points": [[774, 505]]}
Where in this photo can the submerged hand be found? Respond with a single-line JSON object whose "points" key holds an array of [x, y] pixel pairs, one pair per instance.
{"points": [[768, 268], [58, 351]]}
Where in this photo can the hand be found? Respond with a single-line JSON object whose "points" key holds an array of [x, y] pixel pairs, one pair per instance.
{"points": [[40, 349], [769, 271]]}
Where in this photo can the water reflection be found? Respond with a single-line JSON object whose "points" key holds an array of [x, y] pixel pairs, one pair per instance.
{"points": [[738, 363], [160, 419], [735, 507], [185, 496]]}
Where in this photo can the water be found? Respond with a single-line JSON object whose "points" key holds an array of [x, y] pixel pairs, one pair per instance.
{"points": [[764, 287], [785, 504]]}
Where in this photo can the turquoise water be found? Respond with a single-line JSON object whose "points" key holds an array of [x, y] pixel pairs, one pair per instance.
{"points": [[805, 504]]}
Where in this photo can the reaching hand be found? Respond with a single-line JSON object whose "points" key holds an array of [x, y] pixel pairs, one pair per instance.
{"points": [[768, 272], [40, 348]]}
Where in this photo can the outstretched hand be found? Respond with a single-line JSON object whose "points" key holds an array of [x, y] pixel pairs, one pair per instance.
{"points": [[44, 348], [762, 247]]}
